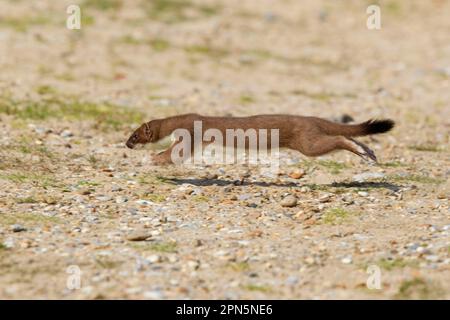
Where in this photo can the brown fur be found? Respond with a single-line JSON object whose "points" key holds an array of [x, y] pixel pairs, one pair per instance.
{"points": [[310, 135]]}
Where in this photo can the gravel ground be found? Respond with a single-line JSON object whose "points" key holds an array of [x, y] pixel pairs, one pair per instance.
{"points": [[74, 201]]}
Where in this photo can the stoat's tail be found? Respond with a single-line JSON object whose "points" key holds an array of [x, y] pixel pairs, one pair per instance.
{"points": [[356, 130]]}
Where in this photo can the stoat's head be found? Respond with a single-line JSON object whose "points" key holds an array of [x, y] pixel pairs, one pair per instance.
{"points": [[146, 133]]}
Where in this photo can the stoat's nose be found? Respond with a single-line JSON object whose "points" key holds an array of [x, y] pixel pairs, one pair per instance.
{"points": [[130, 144]]}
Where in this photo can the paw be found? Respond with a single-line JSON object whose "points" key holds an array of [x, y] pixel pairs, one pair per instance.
{"points": [[365, 152], [160, 160]]}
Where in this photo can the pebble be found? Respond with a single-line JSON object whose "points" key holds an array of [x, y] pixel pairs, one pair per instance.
{"points": [[347, 260], [154, 294], [297, 174], [363, 193], [18, 228], [66, 134], [289, 201], [139, 236], [103, 198], [154, 258], [121, 199]]}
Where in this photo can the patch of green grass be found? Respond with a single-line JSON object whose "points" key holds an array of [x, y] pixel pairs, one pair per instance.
{"points": [[426, 147], [263, 54], [388, 264], [107, 263], [321, 96], [2, 247], [418, 288], [165, 247], [46, 90], [155, 197], [336, 216], [415, 178], [102, 4], [239, 266], [212, 52], [26, 200], [151, 179], [159, 44], [43, 180], [106, 115], [246, 99], [333, 167], [27, 146], [199, 198], [174, 11], [86, 183], [162, 247], [27, 219], [392, 164], [257, 287], [23, 23]]}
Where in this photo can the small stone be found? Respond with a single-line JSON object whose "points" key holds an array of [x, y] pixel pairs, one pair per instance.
{"points": [[432, 258], [154, 258], [363, 193], [347, 260], [66, 134], [292, 280], [121, 199], [289, 201], [139, 236], [103, 198], [297, 174], [18, 228], [85, 192], [154, 294]]}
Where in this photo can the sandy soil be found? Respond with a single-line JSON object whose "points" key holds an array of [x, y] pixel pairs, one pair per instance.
{"points": [[73, 198]]}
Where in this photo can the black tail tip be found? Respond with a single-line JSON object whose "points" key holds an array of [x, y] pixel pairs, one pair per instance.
{"points": [[378, 126]]}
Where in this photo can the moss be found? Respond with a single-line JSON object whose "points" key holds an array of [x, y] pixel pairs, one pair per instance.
{"points": [[107, 263], [175, 11], [165, 247], [155, 198], [39, 179], [336, 216], [418, 288], [257, 287], [426, 147], [26, 200], [333, 167], [28, 219], [239, 266], [106, 115], [23, 23], [102, 4], [212, 52], [159, 44], [392, 164], [246, 99], [395, 263], [199, 198]]}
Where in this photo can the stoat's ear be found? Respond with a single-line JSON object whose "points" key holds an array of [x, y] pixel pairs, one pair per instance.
{"points": [[148, 132]]}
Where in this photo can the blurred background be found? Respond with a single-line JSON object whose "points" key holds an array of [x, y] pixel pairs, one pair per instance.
{"points": [[71, 194]]}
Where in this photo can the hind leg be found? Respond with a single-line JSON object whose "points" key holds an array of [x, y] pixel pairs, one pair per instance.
{"points": [[317, 145]]}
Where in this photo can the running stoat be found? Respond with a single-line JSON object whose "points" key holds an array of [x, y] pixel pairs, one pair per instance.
{"points": [[310, 135]]}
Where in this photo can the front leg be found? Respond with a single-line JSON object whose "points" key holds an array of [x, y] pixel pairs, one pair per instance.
{"points": [[162, 158]]}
